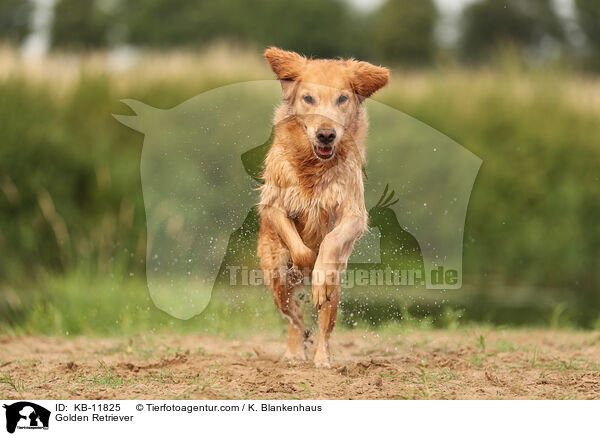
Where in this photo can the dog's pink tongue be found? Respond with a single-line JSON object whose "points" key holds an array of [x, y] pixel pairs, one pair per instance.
{"points": [[323, 151]]}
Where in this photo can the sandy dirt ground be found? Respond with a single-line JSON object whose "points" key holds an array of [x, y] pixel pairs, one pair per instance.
{"points": [[469, 364]]}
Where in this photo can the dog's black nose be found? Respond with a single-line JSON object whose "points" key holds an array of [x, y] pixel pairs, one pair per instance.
{"points": [[325, 136]]}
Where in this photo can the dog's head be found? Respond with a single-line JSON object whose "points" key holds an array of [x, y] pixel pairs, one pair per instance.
{"points": [[325, 95]]}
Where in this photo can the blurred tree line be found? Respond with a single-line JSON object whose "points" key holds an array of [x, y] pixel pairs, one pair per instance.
{"points": [[397, 31], [15, 19], [70, 191]]}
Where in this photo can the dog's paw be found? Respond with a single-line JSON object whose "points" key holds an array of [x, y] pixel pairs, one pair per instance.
{"points": [[319, 294], [294, 277], [325, 283], [324, 363], [294, 355], [321, 359]]}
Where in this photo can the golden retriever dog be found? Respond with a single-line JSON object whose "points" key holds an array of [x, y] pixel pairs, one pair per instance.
{"points": [[312, 207]]}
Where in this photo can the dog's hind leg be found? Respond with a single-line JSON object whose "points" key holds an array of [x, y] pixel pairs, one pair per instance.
{"points": [[289, 306], [275, 262]]}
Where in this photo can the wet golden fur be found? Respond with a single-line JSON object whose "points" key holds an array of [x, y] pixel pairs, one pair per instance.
{"points": [[312, 208]]}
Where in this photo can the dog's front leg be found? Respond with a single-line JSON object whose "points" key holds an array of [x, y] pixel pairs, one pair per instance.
{"points": [[326, 288], [302, 256]]}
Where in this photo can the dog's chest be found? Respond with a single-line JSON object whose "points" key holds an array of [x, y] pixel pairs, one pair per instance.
{"points": [[316, 211]]}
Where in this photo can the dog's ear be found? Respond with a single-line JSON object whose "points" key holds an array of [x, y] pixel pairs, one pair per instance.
{"points": [[368, 78], [286, 65]]}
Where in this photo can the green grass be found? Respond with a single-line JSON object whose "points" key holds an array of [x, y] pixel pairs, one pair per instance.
{"points": [[17, 385], [80, 303], [84, 302], [105, 377]]}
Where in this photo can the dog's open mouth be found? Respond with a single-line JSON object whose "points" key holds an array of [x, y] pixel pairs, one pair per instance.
{"points": [[324, 151]]}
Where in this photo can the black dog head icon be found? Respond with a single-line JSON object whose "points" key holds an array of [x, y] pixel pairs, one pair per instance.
{"points": [[31, 414]]}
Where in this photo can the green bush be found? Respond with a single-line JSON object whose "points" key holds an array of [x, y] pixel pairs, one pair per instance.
{"points": [[533, 212], [70, 193]]}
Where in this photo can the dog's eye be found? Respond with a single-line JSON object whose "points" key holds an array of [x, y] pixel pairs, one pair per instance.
{"points": [[308, 99], [342, 99]]}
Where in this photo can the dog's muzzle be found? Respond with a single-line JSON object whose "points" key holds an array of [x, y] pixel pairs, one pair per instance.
{"points": [[325, 149]]}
